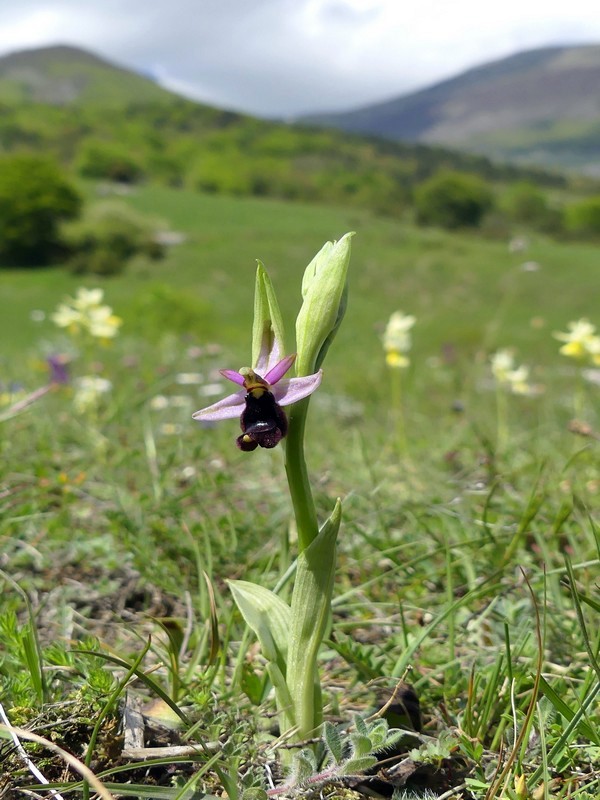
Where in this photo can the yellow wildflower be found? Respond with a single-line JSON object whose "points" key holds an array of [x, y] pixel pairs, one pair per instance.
{"points": [[397, 340], [507, 374], [581, 341], [85, 312]]}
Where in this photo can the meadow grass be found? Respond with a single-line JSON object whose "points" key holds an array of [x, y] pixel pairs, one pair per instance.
{"points": [[467, 564]]}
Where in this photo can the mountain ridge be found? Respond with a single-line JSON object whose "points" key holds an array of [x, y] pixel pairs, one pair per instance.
{"points": [[537, 106], [64, 74], [107, 122]]}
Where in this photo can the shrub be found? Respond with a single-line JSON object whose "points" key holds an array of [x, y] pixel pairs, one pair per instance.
{"points": [[108, 161], [110, 235], [222, 174], [583, 218], [452, 200], [35, 197], [525, 203]]}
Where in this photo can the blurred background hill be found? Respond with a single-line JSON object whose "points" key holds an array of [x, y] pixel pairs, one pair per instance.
{"points": [[92, 127], [62, 75], [536, 107], [109, 123]]}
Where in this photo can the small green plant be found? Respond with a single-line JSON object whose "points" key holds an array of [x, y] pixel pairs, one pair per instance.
{"points": [[434, 751], [348, 753]]}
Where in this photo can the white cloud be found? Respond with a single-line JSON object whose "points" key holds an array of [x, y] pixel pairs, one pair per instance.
{"points": [[280, 57]]}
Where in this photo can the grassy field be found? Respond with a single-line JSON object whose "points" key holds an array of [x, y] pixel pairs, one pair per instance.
{"points": [[469, 550]]}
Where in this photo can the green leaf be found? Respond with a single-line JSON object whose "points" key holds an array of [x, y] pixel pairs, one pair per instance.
{"points": [[589, 601], [304, 766], [268, 322], [269, 617], [310, 612], [33, 659], [394, 736], [156, 792], [282, 697], [356, 766], [251, 684], [378, 733], [360, 725], [254, 793], [333, 741], [361, 745], [567, 712]]}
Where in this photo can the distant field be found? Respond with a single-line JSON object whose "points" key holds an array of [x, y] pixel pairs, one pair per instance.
{"points": [[469, 294]]}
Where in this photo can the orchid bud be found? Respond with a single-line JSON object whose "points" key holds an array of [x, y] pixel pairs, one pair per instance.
{"points": [[324, 291], [521, 787]]}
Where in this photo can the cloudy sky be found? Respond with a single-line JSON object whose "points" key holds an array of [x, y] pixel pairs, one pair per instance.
{"points": [[285, 57]]}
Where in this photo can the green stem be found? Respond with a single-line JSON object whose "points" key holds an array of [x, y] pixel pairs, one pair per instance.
{"points": [[297, 475], [579, 397], [399, 411], [310, 618], [311, 600], [501, 418]]}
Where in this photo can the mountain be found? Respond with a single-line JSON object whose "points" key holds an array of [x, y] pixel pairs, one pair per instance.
{"points": [[64, 75], [106, 123], [537, 107]]}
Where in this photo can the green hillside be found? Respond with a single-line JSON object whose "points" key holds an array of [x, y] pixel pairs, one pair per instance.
{"points": [[539, 107], [110, 124], [63, 75]]}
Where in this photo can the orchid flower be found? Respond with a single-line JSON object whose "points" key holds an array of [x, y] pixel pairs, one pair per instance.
{"points": [[291, 634], [581, 341], [59, 369], [258, 404], [397, 340]]}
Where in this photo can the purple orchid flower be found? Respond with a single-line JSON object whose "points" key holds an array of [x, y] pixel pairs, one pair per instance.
{"points": [[59, 369], [258, 404]]}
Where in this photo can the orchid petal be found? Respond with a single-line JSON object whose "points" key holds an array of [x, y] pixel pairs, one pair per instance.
{"points": [[278, 371], [267, 359], [262, 363], [229, 407], [291, 390], [232, 375]]}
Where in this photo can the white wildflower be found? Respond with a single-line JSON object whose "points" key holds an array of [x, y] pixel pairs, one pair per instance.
{"points": [[397, 340]]}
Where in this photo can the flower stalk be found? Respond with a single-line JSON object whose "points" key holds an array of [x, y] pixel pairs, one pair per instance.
{"points": [[397, 344], [324, 292], [301, 495], [291, 635]]}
